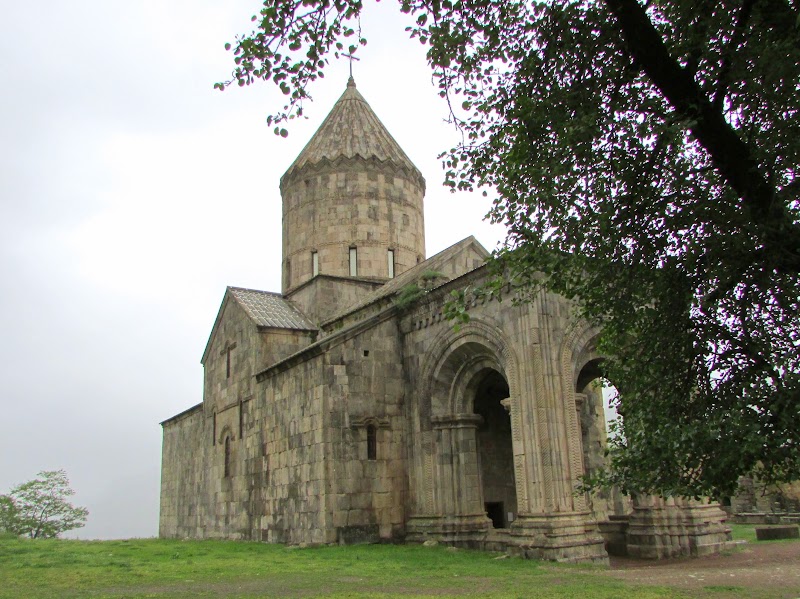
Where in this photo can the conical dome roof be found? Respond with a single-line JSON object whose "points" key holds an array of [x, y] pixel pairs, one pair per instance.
{"points": [[352, 130]]}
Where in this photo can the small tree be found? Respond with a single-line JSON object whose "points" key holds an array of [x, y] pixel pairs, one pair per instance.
{"points": [[39, 509], [416, 289]]}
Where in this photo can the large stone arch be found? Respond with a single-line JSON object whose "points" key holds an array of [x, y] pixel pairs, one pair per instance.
{"points": [[452, 369], [581, 361], [651, 527]]}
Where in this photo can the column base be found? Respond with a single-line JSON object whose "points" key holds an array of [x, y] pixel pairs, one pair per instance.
{"points": [[571, 538], [467, 531], [662, 528]]}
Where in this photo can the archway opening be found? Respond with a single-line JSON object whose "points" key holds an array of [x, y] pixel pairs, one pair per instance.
{"points": [[494, 448], [595, 411]]}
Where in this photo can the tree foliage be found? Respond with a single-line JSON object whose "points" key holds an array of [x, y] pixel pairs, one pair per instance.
{"points": [[39, 508], [644, 158]]}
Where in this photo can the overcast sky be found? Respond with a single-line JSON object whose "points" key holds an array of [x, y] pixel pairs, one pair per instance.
{"points": [[132, 194]]}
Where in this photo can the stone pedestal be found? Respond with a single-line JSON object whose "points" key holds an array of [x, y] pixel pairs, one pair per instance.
{"points": [[662, 528], [469, 531], [572, 537]]}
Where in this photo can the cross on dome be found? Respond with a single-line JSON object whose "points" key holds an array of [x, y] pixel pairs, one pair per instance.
{"points": [[351, 58]]}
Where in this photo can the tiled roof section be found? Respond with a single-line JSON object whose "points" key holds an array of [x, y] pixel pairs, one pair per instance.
{"points": [[436, 263], [351, 130], [270, 309]]}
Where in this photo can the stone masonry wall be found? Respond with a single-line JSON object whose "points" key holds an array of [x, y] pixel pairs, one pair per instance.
{"points": [[298, 471], [276, 344], [462, 262], [323, 296], [275, 490], [181, 484], [367, 387], [197, 500], [230, 360], [285, 451]]}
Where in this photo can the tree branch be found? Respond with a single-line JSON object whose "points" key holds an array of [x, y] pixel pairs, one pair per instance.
{"points": [[729, 154]]}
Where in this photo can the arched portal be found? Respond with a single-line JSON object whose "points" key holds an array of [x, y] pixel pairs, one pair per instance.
{"points": [[591, 393], [591, 415], [466, 371], [494, 447]]}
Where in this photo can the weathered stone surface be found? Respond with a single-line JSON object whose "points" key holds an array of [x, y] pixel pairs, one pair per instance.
{"points": [[352, 188], [755, 502]]}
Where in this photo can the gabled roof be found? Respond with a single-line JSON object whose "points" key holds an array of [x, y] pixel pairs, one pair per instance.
{"points": [[444, 262], [268, 309], [351, 130], [265, 309]]}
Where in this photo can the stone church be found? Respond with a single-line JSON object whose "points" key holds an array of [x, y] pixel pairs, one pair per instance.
{"points": [[334, 413]]}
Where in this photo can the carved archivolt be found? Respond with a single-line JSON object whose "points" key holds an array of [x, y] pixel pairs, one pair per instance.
{"points": [[578, 348], [226, 431], [452, 361]]}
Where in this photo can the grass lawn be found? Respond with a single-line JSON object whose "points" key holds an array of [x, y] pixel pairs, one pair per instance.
{"points": [[141, 568]]}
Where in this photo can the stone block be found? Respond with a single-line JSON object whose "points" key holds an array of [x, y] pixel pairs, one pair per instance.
{"points": [[771, 533], [383, 500]]}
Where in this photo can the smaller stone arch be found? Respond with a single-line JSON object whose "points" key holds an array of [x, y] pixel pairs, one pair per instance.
{"points": [[225, 431], [581, 365], [453, 356], [452, 390], [579, 346]]}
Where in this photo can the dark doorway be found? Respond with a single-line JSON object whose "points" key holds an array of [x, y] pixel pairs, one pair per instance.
{"points": [[494, 509], [495, 452]]}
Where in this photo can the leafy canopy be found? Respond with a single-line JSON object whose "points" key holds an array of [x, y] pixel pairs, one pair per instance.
{"points": [[644, 157], [39, 508]]}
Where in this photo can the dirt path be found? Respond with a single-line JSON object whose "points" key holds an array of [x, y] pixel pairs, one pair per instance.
{"points": [[766, 569]]}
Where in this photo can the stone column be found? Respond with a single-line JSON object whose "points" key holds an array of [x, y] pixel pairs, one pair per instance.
{"points": [[458, 516], [554, 528]]}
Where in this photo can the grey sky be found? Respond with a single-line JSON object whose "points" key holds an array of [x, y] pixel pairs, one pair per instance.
{"points": [[132, 194]]}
